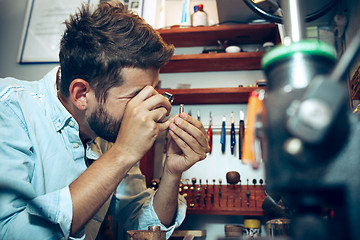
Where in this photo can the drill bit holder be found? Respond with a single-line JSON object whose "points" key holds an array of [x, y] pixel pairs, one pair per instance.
{"points": [[224, 199]]}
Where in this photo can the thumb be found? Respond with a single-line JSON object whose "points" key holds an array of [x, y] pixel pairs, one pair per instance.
{"points": [[164, 125]]}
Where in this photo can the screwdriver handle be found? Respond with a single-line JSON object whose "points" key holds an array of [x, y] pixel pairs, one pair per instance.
{"points": [[254, 107], [222, 137], [232, 135], [241, 136], [209, 133]]}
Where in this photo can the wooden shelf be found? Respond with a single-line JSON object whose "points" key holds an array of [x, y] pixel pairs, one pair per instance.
{"points": [[208, 36], [209, 62], [210, 95]]}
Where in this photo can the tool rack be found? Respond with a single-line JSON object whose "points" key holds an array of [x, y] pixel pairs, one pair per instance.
{"points": [[224, 199]]}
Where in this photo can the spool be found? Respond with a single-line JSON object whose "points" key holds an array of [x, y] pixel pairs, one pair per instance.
{"points": [[234, 230], [252, 228], [252, 223]]}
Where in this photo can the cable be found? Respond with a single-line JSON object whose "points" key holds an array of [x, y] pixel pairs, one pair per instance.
{"points": [[270, 17]]}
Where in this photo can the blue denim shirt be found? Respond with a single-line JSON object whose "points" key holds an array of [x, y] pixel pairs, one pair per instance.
{"points": [[40, 155]]}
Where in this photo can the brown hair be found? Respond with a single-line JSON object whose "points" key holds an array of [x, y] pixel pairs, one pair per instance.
{"points": [[98, 43]]}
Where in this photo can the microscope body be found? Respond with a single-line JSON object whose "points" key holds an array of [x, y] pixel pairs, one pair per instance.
{"points": [[310, 142]]}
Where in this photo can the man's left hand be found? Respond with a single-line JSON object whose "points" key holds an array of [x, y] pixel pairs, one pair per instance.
{"points": [[189, 144]]}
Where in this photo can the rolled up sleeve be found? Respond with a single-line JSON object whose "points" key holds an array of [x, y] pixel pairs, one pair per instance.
{"points": [[148, 216], [133, 205], [55, 207], [44, 217]]}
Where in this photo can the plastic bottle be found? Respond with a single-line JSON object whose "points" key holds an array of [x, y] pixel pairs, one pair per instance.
{"points": [[162, 17], [185, 15], [200, 17]]}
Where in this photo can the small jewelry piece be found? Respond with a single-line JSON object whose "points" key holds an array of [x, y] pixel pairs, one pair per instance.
{"points": [[181, 110]]}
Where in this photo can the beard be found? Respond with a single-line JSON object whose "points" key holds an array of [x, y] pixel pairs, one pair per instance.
{"points": [[104, 125]]}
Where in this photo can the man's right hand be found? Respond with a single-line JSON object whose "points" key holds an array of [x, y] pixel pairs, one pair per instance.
{"points": [[142, 122]]}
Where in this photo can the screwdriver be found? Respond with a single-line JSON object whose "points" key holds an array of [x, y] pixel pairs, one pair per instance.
{"points": [[209, 133], [222, 137], [232, 134], [241, 132]]}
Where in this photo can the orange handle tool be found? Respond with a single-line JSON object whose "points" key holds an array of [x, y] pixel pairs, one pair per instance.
{"points": [[254, 107]]}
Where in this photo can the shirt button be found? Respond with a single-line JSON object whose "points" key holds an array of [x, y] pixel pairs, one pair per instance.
{"points": [[75, 145], [71, 124]]}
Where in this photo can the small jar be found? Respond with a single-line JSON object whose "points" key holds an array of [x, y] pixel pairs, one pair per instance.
{"points": [[252, 228]]}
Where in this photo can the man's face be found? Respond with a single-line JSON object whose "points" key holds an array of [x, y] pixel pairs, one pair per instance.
{"points": [[105, 118]]}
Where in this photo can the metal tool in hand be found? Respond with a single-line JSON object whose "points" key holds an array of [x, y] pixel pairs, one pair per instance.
{"points": [[181, 108], [169, 96]]}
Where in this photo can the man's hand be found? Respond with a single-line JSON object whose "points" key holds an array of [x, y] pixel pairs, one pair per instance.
{"points": [[189, 144], [142, 122]]}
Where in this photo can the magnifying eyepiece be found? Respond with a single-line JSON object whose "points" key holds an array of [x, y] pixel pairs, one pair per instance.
{"points": [[169, 96]]}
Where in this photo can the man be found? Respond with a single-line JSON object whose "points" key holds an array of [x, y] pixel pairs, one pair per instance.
{"points": [[109, 66]]}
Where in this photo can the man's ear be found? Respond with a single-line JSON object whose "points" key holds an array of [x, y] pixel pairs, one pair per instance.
{"points": [[78, 93]]}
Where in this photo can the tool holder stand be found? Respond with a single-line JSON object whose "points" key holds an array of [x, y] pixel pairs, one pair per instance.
{"points": [[227, 199]]}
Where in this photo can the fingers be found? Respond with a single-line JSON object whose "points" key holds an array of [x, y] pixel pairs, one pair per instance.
{"points": [[193, 128], [158, 114], [189, 135], [164, 126], [194, 122], [190, 148], [149, 99]]}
